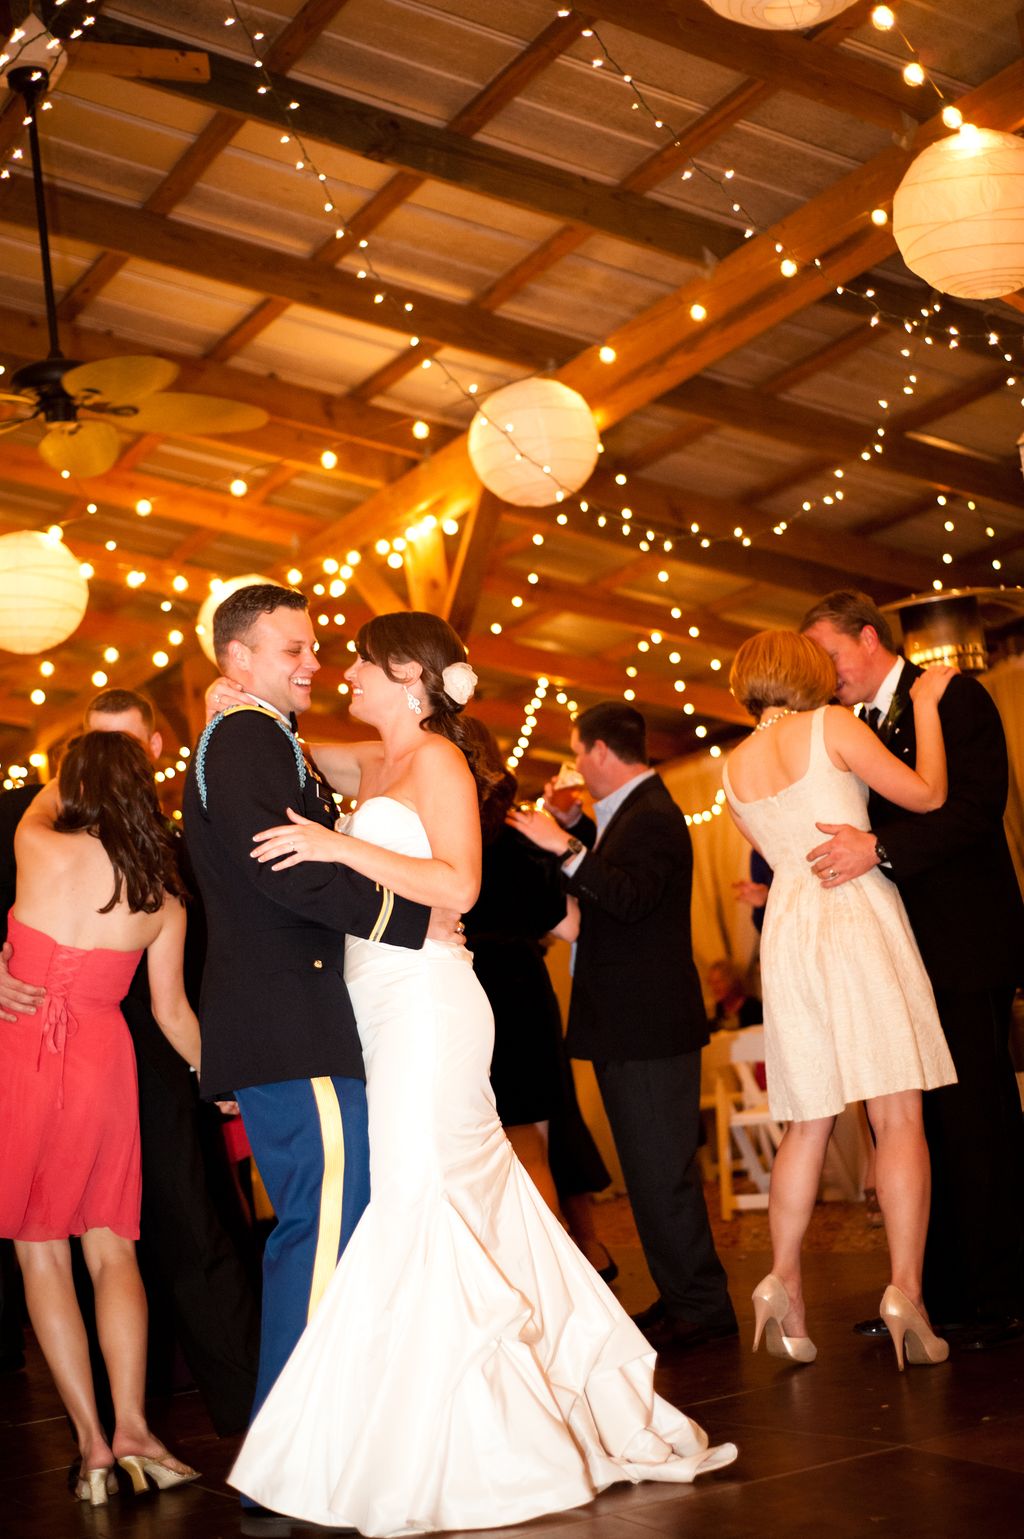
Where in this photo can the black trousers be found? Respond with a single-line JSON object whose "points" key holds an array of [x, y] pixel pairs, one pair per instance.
{"points": [[974, 1257], [653, 1107]]}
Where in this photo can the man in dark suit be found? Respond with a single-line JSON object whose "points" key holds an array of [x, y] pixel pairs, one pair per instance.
{"points": [[636, 1009], [279, 1034], [200, 1293], [955, 875]]}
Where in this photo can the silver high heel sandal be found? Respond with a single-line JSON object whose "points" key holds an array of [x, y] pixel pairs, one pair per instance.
{"points": [[771, 1305], [94, 1486], [159, 1471], [909, 1329]]}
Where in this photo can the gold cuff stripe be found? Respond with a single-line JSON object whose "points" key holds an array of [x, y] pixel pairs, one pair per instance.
{"points": [[332, 1189], [387, 906]]}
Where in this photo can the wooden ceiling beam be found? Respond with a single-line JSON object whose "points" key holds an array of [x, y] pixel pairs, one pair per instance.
{"points": [[846, 83], [225, 258], [644, 615], [472, 558], [409, 144], [578, 672], [753, 410]]}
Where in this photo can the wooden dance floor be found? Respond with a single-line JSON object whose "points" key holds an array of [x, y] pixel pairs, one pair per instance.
{"points": [[844, 1448]]}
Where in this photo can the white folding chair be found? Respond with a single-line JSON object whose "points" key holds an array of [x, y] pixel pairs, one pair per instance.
{"points": [[748, 1135]]}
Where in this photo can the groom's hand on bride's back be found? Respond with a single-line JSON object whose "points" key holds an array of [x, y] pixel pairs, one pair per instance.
{"points": [[16, 998], [446, 925]]}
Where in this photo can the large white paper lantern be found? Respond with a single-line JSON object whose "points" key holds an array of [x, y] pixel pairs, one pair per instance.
{"points": [[42, 592], [958, 214], [779, 15], [212, 602], [543, 439]]}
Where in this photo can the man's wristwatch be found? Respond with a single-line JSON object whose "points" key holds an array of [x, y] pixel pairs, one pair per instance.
{"points": [[574, 847], [883, 859]]}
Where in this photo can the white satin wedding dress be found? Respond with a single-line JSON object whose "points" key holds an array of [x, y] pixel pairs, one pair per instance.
{"points": [[466, 1367]]}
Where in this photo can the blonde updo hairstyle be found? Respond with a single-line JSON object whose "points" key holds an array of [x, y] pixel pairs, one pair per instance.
{"points": [[781, 669]]}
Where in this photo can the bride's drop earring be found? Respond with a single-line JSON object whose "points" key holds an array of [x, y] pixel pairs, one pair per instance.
{"points": [[412, 701]]}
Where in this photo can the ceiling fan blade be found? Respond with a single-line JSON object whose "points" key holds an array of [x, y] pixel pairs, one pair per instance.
{"points": [[81, 448], [121, 381], [178, 411]]}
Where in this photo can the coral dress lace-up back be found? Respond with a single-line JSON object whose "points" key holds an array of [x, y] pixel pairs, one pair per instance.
{"points": [[69, 1145]]}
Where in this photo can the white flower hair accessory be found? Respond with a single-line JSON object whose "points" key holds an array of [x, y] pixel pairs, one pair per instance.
{"points": [[459, 682]]}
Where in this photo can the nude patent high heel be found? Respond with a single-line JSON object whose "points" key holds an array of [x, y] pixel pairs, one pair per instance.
{"points": [[910, 1330], [771, 1305], [94, 1486], [159, 1471]]}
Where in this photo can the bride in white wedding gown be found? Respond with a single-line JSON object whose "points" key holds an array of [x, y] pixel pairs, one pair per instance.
{"points": [[466, 1367]]}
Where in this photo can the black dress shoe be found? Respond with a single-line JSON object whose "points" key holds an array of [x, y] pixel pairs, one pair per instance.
{"points": [[681, 1335], [876, 1329], [994, 1333], [651, 1316]]}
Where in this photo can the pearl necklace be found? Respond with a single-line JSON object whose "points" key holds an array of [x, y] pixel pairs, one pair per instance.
{"points": [[763, 726]]}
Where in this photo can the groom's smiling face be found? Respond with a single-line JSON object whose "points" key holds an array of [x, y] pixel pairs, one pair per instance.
{"points": [[277, 662]]}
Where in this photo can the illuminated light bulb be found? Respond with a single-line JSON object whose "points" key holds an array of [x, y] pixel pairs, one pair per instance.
{"points": [[679, 686], [330, 565], [395, 560], [323, 619], [160, 659], [90, 507], [294, 576], [343, 688], [238, 487], [421, 429], [657, 638], [382, 547], [110, 654], [399, 542], [715, 664], [517, 602], [949, 526], [989, 531], [620, 479], [675, 657], [629, 694], [643, 646], [663, 577], [698, 312], [631, 672], [883, 18], [538, 539], [947, 558], [38, 697], [179, 583], [166, 606], [87, 569], [135, 579], [701, 731], [879, 216], [175, 638], [346, 572], [55, 533], [47, 669], [532, 577], [170, 772], [997, 566], [143, 507], [952, 117], [99, 678], [716, 753], [788, 268], [688, 709], [913, 74], [451, 527], [607, 354]]}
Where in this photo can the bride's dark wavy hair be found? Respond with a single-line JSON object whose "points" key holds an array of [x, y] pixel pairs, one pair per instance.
{"points": [[412, 636], [106, 787]]}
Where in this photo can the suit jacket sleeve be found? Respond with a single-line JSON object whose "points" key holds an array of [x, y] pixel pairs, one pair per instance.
{"points": [[629, 883], [978, 781], [251, 779]]}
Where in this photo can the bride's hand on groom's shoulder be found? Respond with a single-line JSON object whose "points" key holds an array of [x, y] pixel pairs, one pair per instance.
{"points": [[289, 844], [931, 685], [222, 695]]}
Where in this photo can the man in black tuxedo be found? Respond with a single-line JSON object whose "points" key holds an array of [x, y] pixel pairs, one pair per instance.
{"points": [[279, 1035], [200, 1293], [636, 1009], [955, 875]]}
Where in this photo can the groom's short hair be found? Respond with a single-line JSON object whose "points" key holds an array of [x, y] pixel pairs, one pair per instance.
{"points": [[849, 611], [234, 619]]}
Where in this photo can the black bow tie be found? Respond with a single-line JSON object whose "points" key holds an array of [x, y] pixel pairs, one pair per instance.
{"points": [[293, 721]]}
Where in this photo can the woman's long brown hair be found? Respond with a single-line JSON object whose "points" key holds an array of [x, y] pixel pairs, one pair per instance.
{"points": [[106, 787]]}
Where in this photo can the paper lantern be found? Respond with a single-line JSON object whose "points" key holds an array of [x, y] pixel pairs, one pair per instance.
{"points": [[778, 15], [42, 592], [958, 214], [212, 602], [537, 423]]}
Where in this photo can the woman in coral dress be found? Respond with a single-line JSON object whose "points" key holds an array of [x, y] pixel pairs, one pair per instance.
{"points": [[97, 886]]}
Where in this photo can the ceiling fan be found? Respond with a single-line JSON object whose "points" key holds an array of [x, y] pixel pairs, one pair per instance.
{"points": [[81, 402]]}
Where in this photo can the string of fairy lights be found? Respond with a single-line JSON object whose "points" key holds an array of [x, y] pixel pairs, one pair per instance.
{"points": [[922, 329]]}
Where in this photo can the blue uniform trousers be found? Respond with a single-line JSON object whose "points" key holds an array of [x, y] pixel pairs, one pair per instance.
{"points": [[309, 1140]]}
